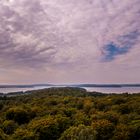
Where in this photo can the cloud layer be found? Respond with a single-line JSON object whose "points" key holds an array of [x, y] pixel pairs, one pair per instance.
{"points": [[69, 41]]}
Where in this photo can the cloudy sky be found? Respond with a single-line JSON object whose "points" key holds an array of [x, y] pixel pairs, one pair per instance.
{"points": [[69, 41]]}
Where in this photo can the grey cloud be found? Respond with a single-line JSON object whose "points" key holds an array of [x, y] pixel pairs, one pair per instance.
{"points": [[38, 32], [15, 27]]}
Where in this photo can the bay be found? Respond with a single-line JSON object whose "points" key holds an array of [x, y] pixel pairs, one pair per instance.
{"points": [[90, 89]]}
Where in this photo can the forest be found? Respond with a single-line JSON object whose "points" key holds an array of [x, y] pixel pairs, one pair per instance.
{"points": [[70, 114]]}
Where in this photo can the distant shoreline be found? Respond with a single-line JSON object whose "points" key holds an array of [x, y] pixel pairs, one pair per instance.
{"points": [[87, 89], [70, 85]]}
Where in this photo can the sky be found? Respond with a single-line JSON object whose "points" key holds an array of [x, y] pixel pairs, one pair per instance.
{"points": [[69, 41]]}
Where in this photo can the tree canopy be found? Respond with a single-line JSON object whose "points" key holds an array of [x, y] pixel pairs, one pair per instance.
{"points": [[70, 114]]}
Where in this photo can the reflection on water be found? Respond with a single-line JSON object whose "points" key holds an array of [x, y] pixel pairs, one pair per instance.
{"points": [[103, 90]]}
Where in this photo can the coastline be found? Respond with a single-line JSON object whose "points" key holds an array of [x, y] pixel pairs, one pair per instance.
{"points": [[87, 90]]}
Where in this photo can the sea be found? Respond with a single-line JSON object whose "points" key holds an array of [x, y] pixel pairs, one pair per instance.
{"points": [[90, 89]]}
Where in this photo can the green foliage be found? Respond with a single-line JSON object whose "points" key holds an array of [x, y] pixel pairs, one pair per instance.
{"points": [[23, 134], [124, 109], [104, 129], [135, 125], [1, 105], [63, 123], [109, 115], [122, 132], [49, 127], [70, 114], [3, 136], [80, 132], [45, 128], [9, 126], [19, 115], [81, 118]]}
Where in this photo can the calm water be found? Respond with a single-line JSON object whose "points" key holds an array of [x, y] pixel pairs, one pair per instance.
{"points": [[104, 90], [115, 90], [7, 90]]}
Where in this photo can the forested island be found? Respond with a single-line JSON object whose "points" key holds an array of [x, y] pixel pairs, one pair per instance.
{"points": [[69, 114]]}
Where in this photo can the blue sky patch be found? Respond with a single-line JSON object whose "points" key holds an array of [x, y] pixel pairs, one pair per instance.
{"points": [[112, 50], [126, 42]]}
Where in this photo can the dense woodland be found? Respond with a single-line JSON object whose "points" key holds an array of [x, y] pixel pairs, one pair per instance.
{"points": [[70, 114]]}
